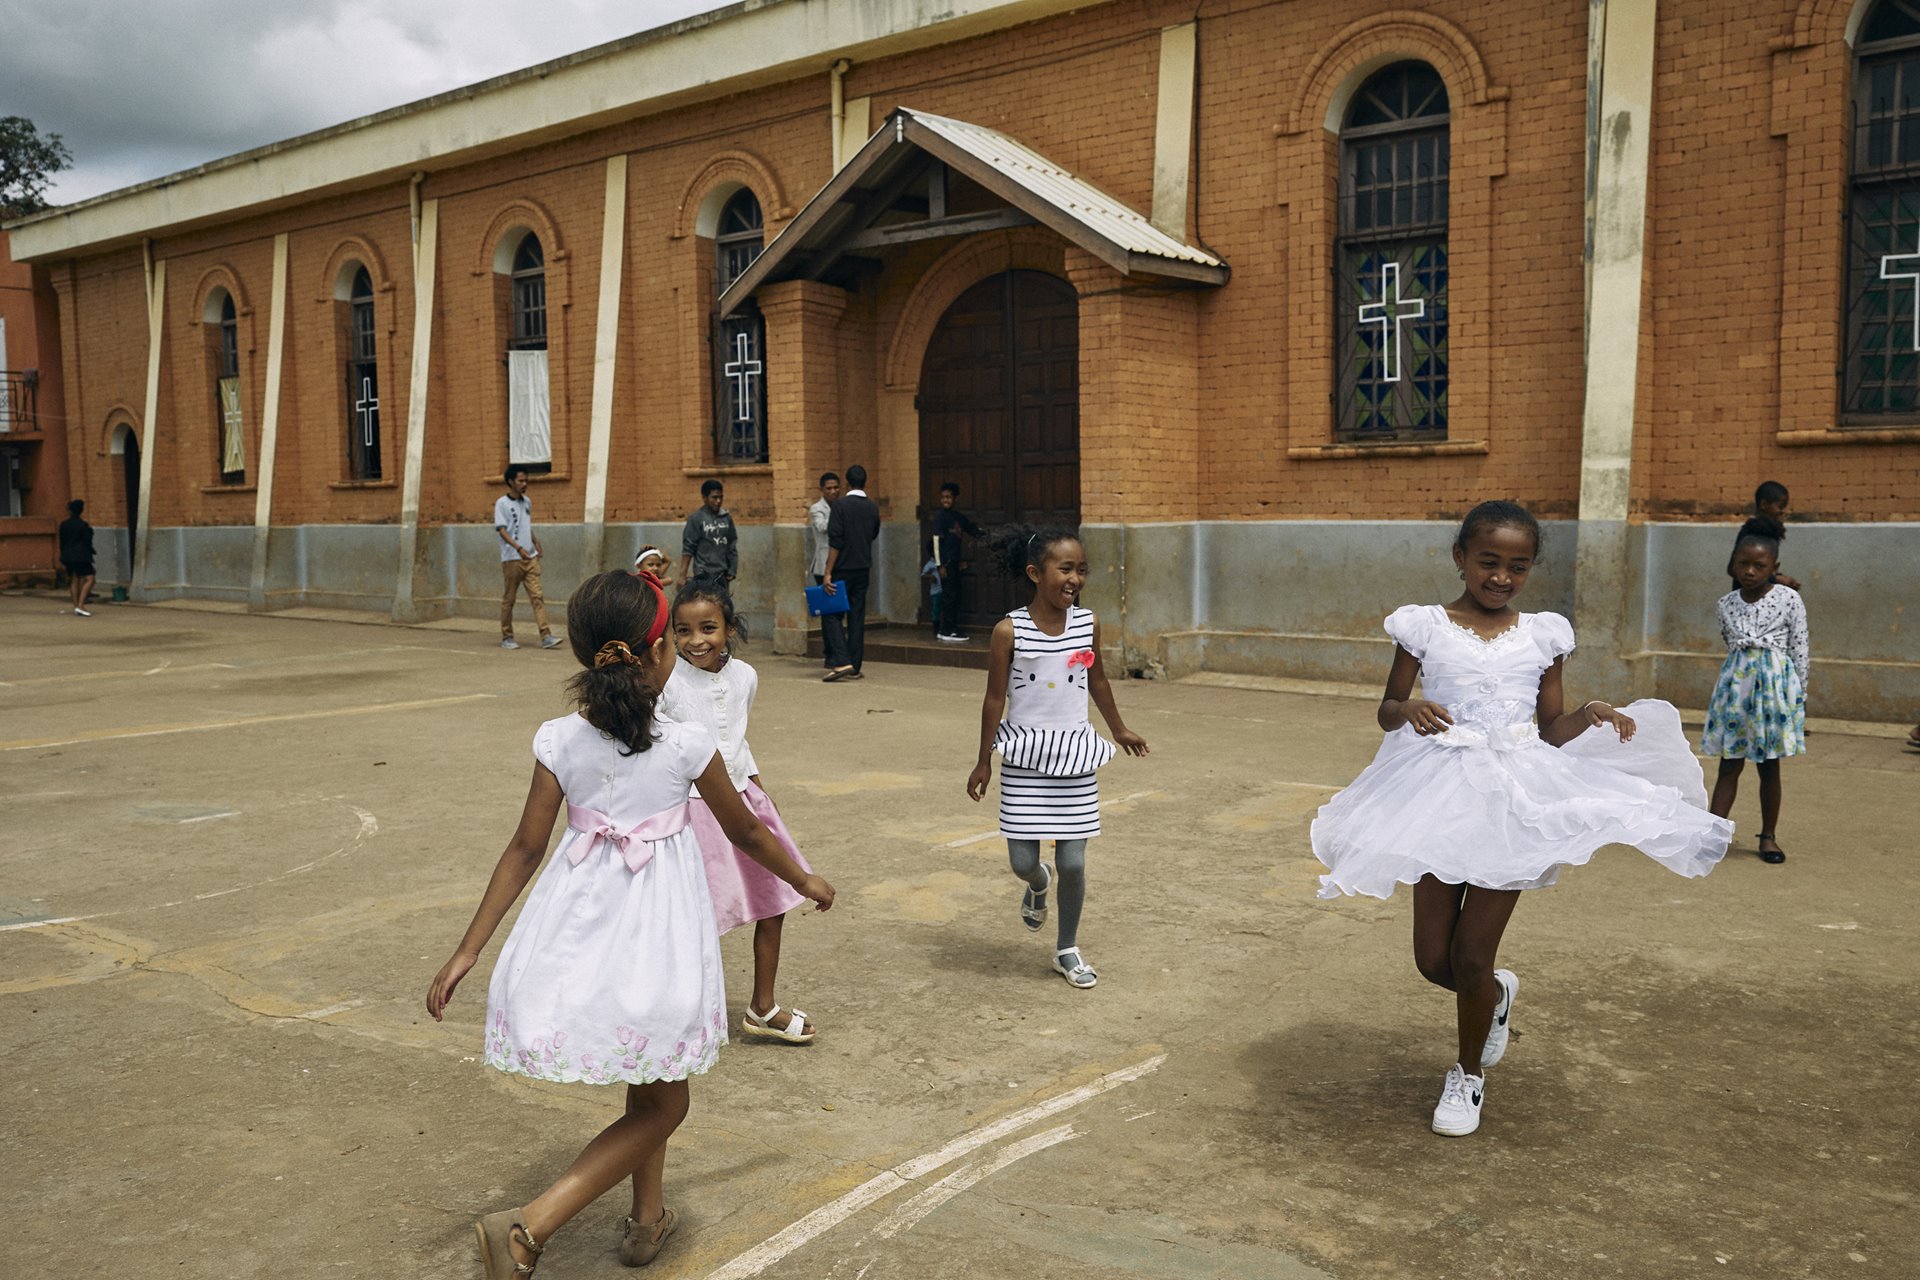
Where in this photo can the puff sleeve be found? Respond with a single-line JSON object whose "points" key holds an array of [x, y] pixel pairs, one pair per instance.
{"points": [[1410, 626], [1554, 634], [694, 750], [546, 745]]}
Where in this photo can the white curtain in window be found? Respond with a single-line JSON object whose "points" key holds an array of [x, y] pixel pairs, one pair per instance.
{"points": [[529, 428], [233, 446]]}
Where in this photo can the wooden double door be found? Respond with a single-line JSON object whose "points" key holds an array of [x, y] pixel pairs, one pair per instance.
{"points": [[999, 410]]}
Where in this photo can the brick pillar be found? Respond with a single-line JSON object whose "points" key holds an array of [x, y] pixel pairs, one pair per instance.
{"points": [[1139, 433], [803, 432]]}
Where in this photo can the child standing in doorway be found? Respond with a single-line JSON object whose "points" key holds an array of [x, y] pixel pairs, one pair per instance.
{"points": [[1043, 666], [1469, 801], [715, 690], [1758, 711], [612, 972]]}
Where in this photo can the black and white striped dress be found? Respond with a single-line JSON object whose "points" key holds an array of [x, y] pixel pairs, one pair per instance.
{"points": [[1049, 752]]}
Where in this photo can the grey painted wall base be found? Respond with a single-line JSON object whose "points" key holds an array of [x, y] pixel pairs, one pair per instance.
{"points": [[1295, 598]]}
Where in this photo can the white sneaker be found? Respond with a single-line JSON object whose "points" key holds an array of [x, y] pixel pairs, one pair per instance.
{"points": [[82, 613], [952, 637], [1459, 1111], [509, 643], [549, 642], [1496, 1046]]}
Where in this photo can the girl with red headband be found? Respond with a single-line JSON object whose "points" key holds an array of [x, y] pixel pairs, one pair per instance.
{"points": [[612, 974]]}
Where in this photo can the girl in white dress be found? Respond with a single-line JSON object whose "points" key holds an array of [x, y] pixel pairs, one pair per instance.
{"points": [[612, 972], [1469, 801], [1043, 665], [713, 689]]}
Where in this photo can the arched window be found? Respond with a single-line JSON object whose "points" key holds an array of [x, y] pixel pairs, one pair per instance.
{"points": [[739, 356], [529, 410], [1883, 219], [363, 381], [1390, 259], [228, 414]]}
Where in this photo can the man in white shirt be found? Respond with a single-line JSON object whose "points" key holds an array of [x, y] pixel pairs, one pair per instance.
{"points": [[519, 558], [817, 516]]}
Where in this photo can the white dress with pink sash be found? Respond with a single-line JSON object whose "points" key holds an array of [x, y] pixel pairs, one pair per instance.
{"points": [[612, 973]]}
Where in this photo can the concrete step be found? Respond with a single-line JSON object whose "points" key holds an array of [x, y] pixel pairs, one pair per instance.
{"points": [[915, 646]]}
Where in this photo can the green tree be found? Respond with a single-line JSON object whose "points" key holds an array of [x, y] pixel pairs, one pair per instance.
{"points": [[28, 159]]}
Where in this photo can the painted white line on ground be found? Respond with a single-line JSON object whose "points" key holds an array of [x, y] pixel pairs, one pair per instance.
{"points": [[903, 1218], [1142, 1116], [160, 730], [331, 1009], [831, 1215], [210, 817], [369, 827]]}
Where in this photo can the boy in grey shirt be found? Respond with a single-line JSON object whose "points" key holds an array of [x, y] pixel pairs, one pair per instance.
{"points": [[710, 544]]}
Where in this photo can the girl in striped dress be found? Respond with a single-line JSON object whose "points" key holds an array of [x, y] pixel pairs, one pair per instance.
{"points": [[1045, 662]]}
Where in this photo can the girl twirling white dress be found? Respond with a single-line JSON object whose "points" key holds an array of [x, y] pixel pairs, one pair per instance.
{"points": [[612, 973], [1489, 803]]}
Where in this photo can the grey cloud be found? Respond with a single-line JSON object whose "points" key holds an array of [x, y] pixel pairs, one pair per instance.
{"points": [[142, 89]]}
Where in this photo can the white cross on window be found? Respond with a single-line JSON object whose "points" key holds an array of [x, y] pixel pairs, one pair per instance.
{"points": [[743, 369], [232, 414], [1908, 269], [1390, 313], [368, 407]]}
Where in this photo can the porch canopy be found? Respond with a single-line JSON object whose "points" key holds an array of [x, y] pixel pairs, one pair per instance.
{"points": [[924, 177]]}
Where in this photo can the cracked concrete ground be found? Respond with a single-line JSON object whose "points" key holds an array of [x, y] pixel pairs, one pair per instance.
{"points": [[241, 846]]}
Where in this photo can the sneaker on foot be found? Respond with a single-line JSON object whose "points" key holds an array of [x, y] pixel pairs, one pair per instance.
{"points": [[1459, 1111], [549, 642], [82, 613], [509, 643], [1496, 1046], [953, 637]]}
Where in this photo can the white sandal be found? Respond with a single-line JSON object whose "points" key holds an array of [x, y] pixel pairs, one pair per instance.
{"points": [[1033, 902], [756, 1027], [1079, 973]]}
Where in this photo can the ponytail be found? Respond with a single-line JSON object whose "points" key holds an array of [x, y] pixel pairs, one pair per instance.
{"points": [[611, 620]]}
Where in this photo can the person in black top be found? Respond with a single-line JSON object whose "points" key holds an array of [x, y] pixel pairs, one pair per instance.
{"points": [[949, 522], [851, 530], [76, 553]]}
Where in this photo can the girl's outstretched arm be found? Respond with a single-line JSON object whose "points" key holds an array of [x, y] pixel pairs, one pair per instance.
{"points": [[522, 858], [1558, 728], [1397, 707], [1129, 741], [993, 706], [751, 837]]}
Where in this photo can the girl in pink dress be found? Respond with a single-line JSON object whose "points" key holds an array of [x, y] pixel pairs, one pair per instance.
{"points": [[714, 690]]}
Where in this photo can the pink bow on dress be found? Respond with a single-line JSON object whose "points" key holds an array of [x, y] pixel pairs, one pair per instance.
{"points": [[635, 844]]}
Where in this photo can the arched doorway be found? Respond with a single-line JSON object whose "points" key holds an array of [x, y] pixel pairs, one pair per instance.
{"points": [[127, 445], [999, 410]]}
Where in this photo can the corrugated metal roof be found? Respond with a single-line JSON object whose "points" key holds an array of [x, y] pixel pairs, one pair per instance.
{"points": [[1086, 203]]}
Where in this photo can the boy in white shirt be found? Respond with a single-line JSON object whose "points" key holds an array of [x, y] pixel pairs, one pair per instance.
{"points": [[519, 558]]}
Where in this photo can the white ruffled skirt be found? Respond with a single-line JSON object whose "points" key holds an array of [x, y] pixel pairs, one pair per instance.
{"points": [[1498, 808]]}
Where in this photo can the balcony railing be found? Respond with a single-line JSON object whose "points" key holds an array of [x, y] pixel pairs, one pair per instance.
{"points": [[19, 400]]}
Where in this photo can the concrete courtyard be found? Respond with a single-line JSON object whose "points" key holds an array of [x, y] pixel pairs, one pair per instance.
{"points": [[241, 847]]}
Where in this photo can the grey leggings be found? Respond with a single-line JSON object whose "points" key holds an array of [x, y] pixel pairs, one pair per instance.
{"points": [[1069, 881]]}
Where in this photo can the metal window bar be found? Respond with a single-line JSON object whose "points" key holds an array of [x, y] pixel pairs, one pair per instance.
{"points": [[1390, 295], [19, 400], [740, 390], [528, 328], [1882, 371]]}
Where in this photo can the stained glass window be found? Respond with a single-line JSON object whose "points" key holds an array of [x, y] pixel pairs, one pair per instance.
{"points": [[739, 360], [1882, 381], [1390, 259]]}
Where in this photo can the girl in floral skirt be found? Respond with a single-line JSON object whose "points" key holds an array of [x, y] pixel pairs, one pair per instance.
{"points": [[1759, 706]]}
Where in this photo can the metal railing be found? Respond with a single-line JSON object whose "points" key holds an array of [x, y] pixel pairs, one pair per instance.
{"points": [[19, 400]]}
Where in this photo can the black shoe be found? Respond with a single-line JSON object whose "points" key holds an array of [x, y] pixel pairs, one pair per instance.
{"points": [[1773, 855]]}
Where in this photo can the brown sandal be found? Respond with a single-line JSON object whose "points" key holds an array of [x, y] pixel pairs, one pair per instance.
{"points": [[497, 1231], [639, 1246]]}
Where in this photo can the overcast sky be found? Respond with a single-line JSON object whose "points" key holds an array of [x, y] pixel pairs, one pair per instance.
{"points": [[143, 88]]}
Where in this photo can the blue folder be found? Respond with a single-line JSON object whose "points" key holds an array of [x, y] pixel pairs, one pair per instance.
{"points": [[820, 604]]}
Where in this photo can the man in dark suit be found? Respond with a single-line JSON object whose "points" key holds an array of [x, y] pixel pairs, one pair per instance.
{"points": [[851, 530]]}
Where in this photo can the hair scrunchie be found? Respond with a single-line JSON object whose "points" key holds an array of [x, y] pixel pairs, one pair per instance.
{"points": [[614, 651]]}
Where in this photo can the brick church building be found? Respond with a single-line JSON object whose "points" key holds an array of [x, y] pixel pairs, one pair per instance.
{"points": [[1261, 295]]}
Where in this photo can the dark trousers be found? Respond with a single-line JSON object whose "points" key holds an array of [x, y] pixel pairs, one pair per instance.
{"points": [[946, 605], [826, 645], [845, 634]]}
